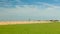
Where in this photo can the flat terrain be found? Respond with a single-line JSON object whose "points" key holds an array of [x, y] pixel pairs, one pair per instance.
{"points": [[22, 22], [34, 28]]}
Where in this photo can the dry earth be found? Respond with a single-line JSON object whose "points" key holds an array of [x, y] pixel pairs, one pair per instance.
{"points": [[22, 22]]}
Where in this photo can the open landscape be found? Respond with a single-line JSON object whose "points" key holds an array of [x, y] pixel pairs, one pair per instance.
{"points": [[29, 16], [29, 27]]}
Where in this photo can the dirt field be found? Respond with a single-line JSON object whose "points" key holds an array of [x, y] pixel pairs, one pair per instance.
{"points": [[22, 22]]}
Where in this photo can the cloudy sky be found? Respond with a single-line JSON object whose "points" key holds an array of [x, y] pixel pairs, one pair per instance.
{"points": [[29, 9]]}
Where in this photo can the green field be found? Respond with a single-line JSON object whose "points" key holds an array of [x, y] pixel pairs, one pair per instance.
{"points": [[47, 28]]}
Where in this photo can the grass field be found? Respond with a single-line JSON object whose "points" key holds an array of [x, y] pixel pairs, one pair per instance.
{"points": [[42, 28]]}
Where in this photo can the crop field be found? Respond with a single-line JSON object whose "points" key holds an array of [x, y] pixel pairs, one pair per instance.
{"points": [[42, 28]]}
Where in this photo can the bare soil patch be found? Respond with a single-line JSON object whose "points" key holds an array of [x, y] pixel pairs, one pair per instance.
{"points": [[22, 22]]}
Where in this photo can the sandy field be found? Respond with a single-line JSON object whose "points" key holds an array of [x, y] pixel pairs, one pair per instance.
{"points": [[22, 22]]}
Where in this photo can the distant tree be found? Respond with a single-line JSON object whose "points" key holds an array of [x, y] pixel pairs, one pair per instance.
{"points": [[54, 20], [38, 20], [29, 19]]}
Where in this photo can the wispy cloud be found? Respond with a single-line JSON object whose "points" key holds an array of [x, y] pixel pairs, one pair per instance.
{"points": [[38, 10]]}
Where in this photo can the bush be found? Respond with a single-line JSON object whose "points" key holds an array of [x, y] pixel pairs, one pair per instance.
{"points": [[54, 20]]}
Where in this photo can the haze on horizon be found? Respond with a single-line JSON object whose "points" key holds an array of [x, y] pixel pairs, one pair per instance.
{"points": [[29, 9]]}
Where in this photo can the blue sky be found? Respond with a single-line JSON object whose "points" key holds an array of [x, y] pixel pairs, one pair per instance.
{"points": [[29, 9]]}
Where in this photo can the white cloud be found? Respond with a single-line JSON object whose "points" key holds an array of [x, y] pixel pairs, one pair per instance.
{"points": [[31, 10]]}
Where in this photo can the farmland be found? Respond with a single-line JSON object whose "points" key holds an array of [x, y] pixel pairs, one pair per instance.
{"points": [[37, 28]]}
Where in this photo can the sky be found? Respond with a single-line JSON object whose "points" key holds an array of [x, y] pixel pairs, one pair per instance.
{"points": [[29, 9]]}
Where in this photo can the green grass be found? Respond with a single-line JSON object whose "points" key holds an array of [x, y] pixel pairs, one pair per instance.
{"points": [[50, 28]]}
